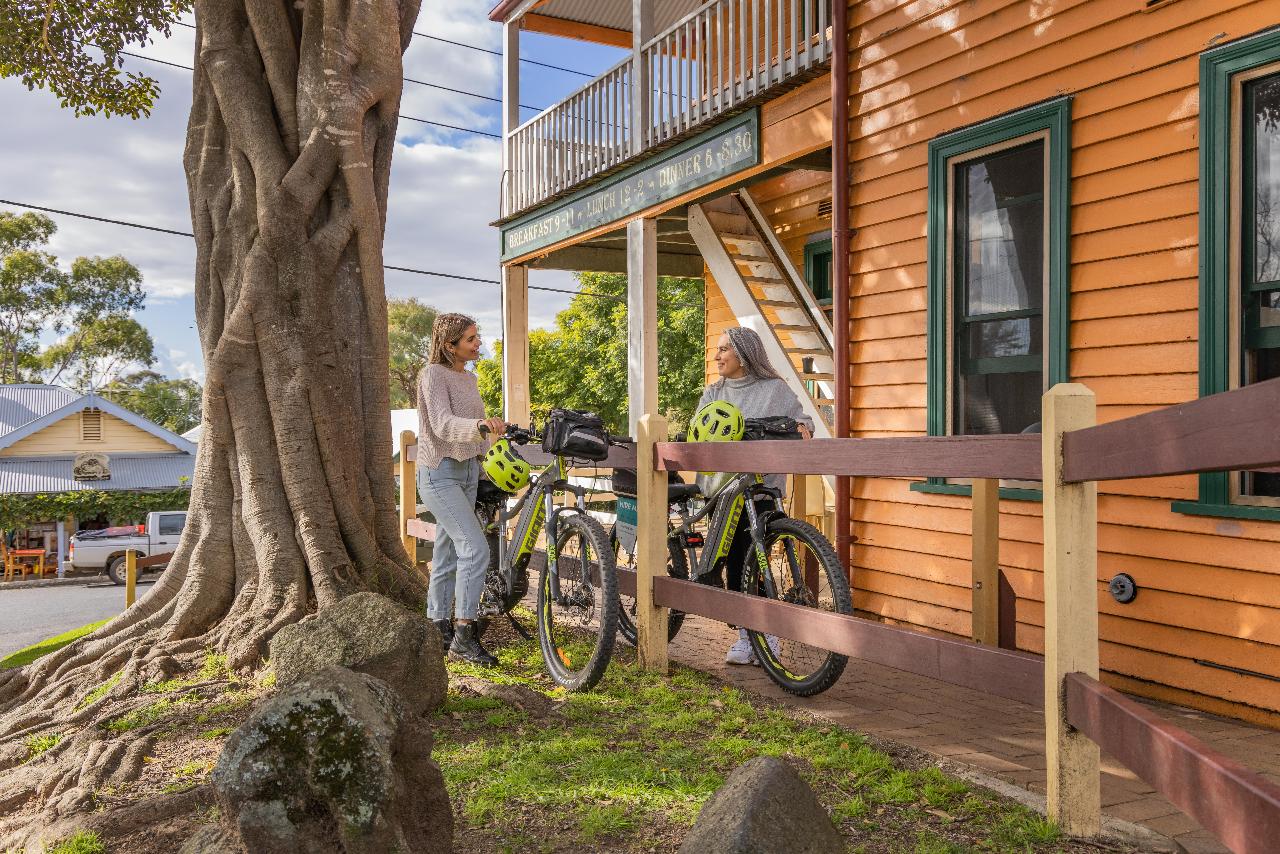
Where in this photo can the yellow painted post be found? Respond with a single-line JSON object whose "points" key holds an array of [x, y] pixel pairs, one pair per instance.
{"points": [[986, 561], [1070, 613], [130, 577], [408, 494], [651, 544]]}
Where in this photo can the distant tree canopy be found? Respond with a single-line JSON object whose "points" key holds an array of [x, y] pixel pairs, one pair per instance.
{"points": [[173, 404], [582, 363], [89, 308], [409, 336]]}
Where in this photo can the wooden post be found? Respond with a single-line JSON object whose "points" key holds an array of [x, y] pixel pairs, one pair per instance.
{"points": [[510, 109], [986, 561], [130, 577], [641, 89], [515, 345], [642, 320], [1070, 613], [651, 544], [408, 494]]}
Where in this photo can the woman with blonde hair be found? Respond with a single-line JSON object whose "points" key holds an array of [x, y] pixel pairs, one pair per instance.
{"points": [[450, 445]]}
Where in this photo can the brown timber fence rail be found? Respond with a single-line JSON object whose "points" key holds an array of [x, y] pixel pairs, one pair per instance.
{"points": [[1235, 430]]}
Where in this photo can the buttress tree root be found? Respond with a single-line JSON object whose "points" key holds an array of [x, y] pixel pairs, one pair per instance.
{"points": [[288, 157]]}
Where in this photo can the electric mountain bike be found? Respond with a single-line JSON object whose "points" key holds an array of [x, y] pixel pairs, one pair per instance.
{"points": [[789, 561], [577, 607]]}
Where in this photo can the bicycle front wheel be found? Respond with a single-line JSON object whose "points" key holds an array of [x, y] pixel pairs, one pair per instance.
{"points": [[578, 607], [803, 569]]}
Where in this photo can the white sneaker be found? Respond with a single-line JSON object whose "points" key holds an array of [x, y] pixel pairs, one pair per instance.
{"points": [[741, 652]]}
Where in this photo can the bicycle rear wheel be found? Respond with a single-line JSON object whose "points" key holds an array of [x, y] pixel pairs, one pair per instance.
{"points": [[677, 567], [816, 581], [577, 625]]}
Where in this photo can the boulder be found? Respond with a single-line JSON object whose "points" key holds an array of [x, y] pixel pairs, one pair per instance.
{"points": [[763, 808], [332, 763], [370, 634]]}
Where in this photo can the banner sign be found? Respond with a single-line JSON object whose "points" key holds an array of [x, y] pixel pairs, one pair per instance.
{"points": [[720, 152]]}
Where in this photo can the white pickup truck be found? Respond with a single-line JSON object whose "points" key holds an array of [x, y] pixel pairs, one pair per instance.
{"points": [[104, 550]]}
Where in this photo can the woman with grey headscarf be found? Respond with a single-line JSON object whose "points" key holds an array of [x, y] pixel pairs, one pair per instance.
{"points": [[749, 382]]}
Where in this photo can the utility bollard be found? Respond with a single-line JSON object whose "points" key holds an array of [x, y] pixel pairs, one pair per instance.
{"points": [[130, 577], [651, 545], [1070, 613], [408, 494]]}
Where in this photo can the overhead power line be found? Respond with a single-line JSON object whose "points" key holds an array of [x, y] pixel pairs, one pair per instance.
{"points": [[413, 270], [471, 47], [406, 79]]}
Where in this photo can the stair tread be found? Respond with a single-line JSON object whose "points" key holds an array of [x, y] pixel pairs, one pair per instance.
{"points": [[777, 303], [795, 327], [816, 351], [770, 280], [818, 377], [761, 259], [825, 401]]}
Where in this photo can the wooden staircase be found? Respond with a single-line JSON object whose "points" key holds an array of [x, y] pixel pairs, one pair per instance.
{"points": [[768, 294]]}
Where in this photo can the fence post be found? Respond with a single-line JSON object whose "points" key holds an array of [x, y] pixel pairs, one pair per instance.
{"points": [[130, 577], [1070, 613], [986, 561], [408, 494], [651, 544]]}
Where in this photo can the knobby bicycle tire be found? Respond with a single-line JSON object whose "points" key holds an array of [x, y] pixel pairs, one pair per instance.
{"points": [[576, 632], [677, 567], [797, 668]]}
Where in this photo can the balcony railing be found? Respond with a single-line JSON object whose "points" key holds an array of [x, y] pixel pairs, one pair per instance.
{"points": [[715, 61]]}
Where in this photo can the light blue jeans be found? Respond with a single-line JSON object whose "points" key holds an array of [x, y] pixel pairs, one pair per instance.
{"points": [[461, 554]]}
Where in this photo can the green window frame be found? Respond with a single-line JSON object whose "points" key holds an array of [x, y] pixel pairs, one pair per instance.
{"points": [[817, 269], [1050, 121], [1221, 71]]}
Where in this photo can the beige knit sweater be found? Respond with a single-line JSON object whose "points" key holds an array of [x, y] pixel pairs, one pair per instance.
{"points": [[449, 410]]}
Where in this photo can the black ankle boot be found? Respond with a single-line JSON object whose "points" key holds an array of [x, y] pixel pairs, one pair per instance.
{"points": [[446, 634], [466, 646]]}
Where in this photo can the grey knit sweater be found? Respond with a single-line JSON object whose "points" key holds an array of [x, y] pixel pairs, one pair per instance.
{"points": [[449, 412], [756, 398]]}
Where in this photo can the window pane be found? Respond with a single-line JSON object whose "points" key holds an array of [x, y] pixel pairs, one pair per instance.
{"points": [[1016, 337], [1263, 365], [171, 525], [998, 403], [1268, 309], [1266, 178], [1001, 230]]}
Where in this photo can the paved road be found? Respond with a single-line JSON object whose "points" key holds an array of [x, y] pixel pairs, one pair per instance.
{"points": [[31, 615]]}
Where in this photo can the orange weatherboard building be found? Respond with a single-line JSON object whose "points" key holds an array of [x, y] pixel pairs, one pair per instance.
{"points": [[932, 212]]}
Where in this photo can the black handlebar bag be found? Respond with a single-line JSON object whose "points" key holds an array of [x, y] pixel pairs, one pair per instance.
{"points": [[577, 434], [772, 427]]}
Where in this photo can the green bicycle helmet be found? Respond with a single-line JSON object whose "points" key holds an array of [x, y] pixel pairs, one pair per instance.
{"points": [[505, 467], [718, 421]]}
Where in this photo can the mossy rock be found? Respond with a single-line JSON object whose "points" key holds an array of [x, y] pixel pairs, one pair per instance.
{"points": [[370, 634], [334, 763]]}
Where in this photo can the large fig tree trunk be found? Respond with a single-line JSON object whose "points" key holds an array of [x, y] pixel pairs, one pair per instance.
{"points": [[288, 157]]}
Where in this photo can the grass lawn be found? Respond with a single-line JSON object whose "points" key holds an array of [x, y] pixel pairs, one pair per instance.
{"points": [[627, 767], [48, 645]]}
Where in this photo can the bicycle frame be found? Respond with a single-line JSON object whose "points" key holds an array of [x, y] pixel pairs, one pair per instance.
{"points": [[536, 509], [722, 528]]}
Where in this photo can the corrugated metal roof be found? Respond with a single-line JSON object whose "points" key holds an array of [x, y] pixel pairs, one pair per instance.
{"points": [[24, 475], [22, 404], [609, 13]]}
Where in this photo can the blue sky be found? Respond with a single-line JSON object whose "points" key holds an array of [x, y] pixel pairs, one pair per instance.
{"points": [[444, 184]]}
